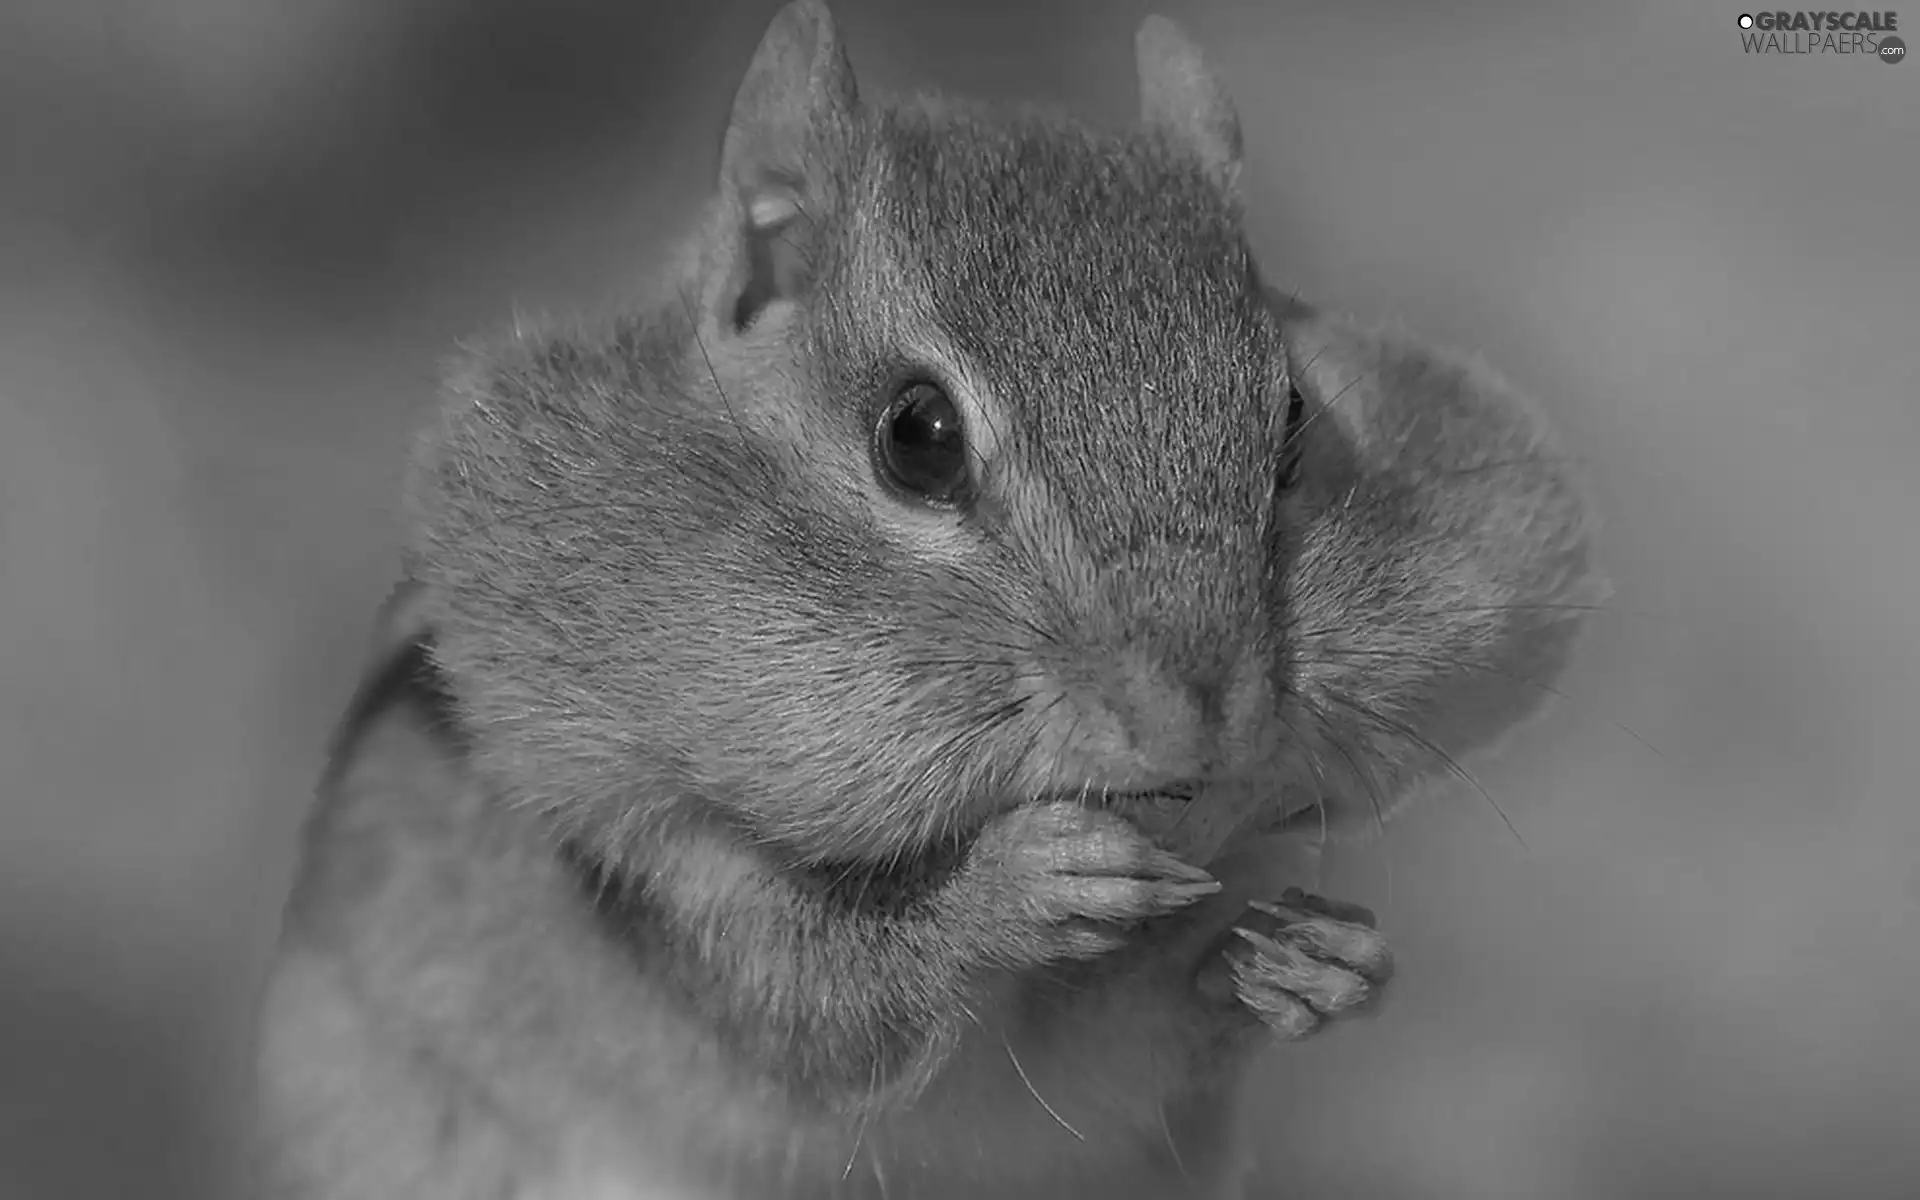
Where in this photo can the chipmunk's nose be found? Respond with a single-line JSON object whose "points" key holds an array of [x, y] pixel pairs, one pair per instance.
{"points": [[1193, 720], [1170, 723]]}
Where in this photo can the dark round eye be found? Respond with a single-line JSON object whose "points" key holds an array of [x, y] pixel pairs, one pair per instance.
{"points": [[919, 444], [1290, 445]]}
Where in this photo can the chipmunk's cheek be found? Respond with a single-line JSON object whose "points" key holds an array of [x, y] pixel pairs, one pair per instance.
{"points": [[1069, 740]]}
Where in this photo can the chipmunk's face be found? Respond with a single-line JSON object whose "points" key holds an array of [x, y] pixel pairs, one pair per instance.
{"points": [[974, 465]]}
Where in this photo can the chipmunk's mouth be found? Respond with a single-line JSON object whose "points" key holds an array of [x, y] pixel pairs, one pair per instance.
{"points": [[1306, 814], [1185, 790]]}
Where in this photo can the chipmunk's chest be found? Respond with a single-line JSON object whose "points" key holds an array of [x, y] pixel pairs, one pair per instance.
{"points": [[1117, 1085], [1112, 1112]]}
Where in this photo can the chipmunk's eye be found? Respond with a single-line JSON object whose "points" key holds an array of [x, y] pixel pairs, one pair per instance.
{"points": [[919, 445], [1291, 445]]}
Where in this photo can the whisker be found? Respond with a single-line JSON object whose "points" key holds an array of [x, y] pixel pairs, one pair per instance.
{"points": [[1060, 751], [1045, 636], [693, 327], [1332, 400], [965, 738], [1506, 463], [860, 1132], [1313, 768], [1167, 1131], [957, 746], [1364, 777], [1402, 617], [1031, 1090], [1457, 664], [1420, 740], [956, 664], [1529, 607], [959, 660]]}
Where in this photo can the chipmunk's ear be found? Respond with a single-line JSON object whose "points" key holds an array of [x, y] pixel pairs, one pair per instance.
{"points": [[1183, 99], [788, 143]]}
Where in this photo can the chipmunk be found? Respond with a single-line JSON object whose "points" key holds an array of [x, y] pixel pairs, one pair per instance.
{"points": [[774, 779]]}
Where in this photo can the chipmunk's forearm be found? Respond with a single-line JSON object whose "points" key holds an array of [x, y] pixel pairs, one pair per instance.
{"points": [[847, 985]]}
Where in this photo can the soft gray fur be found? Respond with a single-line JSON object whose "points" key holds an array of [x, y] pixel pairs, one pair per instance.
{"points": [[765, 839]]}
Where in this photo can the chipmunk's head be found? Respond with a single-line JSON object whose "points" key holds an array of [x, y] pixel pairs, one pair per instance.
{"points": [[968, 459]]}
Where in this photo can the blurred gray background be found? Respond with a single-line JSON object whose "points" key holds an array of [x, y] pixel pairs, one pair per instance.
{"points": [[236, 234]]}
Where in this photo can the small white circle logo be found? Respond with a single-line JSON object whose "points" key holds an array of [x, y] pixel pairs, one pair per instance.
{"points": [[1746, 20]]}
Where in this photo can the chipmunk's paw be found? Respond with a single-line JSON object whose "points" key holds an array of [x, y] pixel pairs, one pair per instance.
{"points": [[1060, 880], [1299, 962]]}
